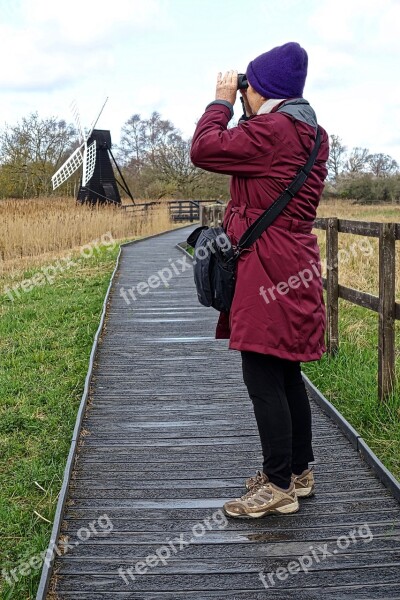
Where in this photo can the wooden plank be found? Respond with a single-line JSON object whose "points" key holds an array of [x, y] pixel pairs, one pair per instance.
{"points": [[366, 228], [366, 592], [360, 298], [159, 523], [345, 510], [217, 582]]}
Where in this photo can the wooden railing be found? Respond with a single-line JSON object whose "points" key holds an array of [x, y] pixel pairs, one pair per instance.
{"points": [[187, 210], [180, 210], [384, 304]]}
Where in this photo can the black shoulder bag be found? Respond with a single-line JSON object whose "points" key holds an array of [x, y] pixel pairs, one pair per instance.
{"points": [[215, 257]]}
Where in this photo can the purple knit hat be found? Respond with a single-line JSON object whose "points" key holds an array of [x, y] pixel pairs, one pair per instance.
{"points": [[279, 73]]}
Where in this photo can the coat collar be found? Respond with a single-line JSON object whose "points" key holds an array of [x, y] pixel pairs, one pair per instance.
{"points": [[268, 106]]}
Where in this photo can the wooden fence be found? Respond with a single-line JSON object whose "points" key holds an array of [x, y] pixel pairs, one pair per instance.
{"points": [[180, 210], [384, 304]]}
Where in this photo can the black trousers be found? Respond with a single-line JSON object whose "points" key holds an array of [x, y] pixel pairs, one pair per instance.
{"points": [[283, 415]]}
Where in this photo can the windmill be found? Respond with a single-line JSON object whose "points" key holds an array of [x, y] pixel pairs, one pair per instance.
{"points": [[98, 182]]}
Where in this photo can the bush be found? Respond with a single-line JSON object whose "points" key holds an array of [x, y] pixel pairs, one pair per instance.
{"points": [[365, 188]]}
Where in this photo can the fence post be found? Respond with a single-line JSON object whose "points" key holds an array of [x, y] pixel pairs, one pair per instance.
{"points": [[387, 307], [214, 216], [332, 285], [202, 215]]}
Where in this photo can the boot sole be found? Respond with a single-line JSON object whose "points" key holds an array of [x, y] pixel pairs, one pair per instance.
{"points": [[282, 510], [301, 493], [305, 492]]}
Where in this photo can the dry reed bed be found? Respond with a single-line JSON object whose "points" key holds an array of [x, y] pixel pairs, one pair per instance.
{"points": [[359, 255], [36, 230]]}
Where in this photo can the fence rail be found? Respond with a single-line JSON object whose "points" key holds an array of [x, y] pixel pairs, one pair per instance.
{"points": [[180, 210]]}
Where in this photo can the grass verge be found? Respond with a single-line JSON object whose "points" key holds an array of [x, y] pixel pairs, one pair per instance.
{"points": [[45, 340], [350, 382]]}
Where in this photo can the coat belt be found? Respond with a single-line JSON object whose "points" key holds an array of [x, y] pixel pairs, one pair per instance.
{"points": [[297, 225]]}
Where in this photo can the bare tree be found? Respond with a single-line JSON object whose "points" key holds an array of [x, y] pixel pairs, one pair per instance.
{"points": [[382, 165], [154, 152], [336, 159], [172, 161], [358, 160], [31, 150], [131, 148]]}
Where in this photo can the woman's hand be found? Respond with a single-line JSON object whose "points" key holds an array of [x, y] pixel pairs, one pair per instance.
{"points": [[227, 86]]}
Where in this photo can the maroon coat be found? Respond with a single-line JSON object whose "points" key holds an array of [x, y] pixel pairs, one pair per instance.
{"points": [[278, 307]]}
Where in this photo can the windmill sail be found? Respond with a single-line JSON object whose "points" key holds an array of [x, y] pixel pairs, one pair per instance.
{"points": [[89, 163], [95, 121], [77, 118], [68, 168]]}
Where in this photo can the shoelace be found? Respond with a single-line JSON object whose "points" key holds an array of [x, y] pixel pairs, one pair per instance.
{"points": [[258, 479], [255, 492]]}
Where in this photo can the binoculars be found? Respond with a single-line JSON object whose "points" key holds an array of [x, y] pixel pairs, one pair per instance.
{"points": [[243, 84]]}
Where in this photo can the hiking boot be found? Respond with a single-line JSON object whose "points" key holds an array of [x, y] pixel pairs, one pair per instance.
{"points": [[262, 500], [304, 484]]}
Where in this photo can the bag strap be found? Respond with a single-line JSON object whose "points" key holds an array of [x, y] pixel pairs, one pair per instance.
{"points": [[265, 220]]}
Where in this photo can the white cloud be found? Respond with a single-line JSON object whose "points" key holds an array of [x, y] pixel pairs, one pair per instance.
{"points": [[80, 23], [359, 26], [54, 44]]}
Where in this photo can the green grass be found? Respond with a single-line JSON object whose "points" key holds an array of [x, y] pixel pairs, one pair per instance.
{"points": [[45, 340], [350, 381]]}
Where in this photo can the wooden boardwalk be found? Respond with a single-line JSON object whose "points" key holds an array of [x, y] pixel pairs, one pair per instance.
{"points": [[169, 436]]}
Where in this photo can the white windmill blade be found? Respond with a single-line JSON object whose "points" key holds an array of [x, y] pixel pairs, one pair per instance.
{"points": [[89, 162], [76, 115], [98, 117], [68, 168]]}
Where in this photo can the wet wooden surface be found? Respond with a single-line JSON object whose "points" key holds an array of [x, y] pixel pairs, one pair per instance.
{"points": [[169, 437]]}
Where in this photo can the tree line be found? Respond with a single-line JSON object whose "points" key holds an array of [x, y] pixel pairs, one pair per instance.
{"points": [[361, 176], [154, 158]]}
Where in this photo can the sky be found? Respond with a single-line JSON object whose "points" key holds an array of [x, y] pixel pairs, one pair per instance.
{"points": [[164, 55]]}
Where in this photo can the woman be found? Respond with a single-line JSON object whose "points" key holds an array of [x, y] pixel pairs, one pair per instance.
{"points": [[277, 318]]}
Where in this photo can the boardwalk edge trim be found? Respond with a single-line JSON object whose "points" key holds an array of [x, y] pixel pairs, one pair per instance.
{"points": [[359, 444]]}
